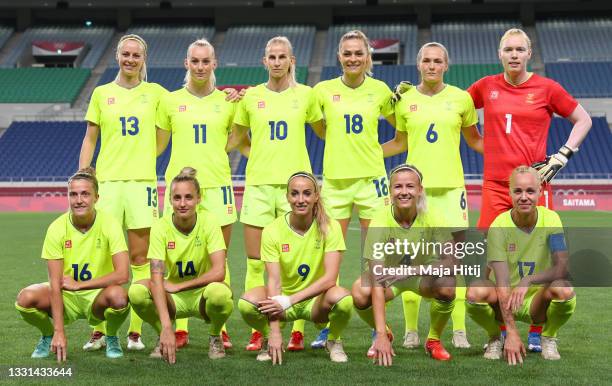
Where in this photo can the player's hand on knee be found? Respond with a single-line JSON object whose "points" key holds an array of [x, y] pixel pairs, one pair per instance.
{"points": [[517, 296], [275, 347], [69, 284], [58, 346], [384, 350], [167, 345], [514, 350]]}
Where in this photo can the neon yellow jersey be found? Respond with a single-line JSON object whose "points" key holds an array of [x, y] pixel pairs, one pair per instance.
{"points": [[351, 118], [199, 127], [278, 134], [86, 255], [301, 257], [428, 227], [186, 256], [433, 125], [126, 118], [525, 253]]}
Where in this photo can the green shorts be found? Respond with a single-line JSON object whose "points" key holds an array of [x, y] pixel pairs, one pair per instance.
{"points": [[452, 203], [79, 305], [187, 303], [219, 201], [132, 203], [367, 194], [301, 310], [261, 204]]}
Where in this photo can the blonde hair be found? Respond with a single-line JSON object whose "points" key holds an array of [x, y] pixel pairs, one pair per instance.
{"points": [[432, 44], [143, 45], [320, 215], [524, 169], [357, 34], [421, 205], [88, 174], [201, 43], [283, 40], [187, 174], [515, 31]]}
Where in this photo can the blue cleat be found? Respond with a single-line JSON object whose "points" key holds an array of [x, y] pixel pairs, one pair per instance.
{"points": [[42, 347], [321, 339], [534, 342], [113, 348]]}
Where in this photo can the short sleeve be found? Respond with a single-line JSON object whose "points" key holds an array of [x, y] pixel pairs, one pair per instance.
{"points": [[495, 243], [313, 110], [116, 240], [475, 91], [214, 236], [157, 242], [241, 117], [560, 100], [400, 121], [469, 117], [162, 118], [93, 110], [230, 115], [269, 246], [334, 240], [556, 235], [53, 244], [386, 108]]}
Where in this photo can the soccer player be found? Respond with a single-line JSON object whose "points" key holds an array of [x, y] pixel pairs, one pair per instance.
{"points": [[529, 260], [353, 166], [518, 107], [187, 255], [123, 114], [431, 118], [407, 220], [302, 251], [87, 261], [198, 117], [276, 113]]}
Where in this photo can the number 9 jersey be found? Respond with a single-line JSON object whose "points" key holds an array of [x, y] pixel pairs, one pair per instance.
{"points": [[301, 257], [126, 118]]}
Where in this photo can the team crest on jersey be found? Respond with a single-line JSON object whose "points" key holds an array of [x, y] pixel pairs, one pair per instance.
{"points": [[336, 98], [529, 99], [413, 108], [217, 109], [68, 244], [511, 247], [449, 106], [110, 101], [285, 248], [318, 244], [494, 95], [198, 242], [295, 104], [98, 243], [171, 245], [230, 209], [370, 98], [261, 105], [182, 108], [144, 99]]}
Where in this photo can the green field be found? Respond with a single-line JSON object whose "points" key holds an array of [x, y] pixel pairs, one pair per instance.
{"points": [[584, 341]]}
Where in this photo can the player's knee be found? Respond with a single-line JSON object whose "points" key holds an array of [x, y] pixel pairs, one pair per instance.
{"points": [[246, 308], [361, 295], [117, 297], [217, 294], [138, 294], [561, 290], [344, 305], [335, 294], [476, 294], [26, 298], [446, 294]]}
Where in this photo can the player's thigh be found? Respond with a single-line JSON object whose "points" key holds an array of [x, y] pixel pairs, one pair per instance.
{"points": [[219, 201], [495, 200], [325, 302], [258, 205], [371, 194], [523, 314], [113, 296], [111, 199], [301, 310], [35, 296], [79, 305], [452, 203], [140, 202], [338, 197]]}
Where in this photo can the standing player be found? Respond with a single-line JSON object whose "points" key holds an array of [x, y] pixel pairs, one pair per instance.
{"points": [[123, 114], [518, 107], [407, 221], [198, 117], [276, 113], [187, 255], [87, 262], [529, 259], [302, 251], [431, 118]]}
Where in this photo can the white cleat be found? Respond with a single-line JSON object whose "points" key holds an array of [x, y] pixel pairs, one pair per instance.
{"points": [[411, 340], [156, 353], [96, 342], [494, 349], [215, 347], [134, 342], [549, 349], [336, 351], [264, 355], [460, 339]]}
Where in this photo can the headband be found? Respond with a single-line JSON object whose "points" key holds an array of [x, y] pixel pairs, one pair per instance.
{"points": [[404, 167]]}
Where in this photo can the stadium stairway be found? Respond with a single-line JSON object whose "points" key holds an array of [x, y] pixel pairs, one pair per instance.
{"points": [[537, 61], [317, 59], [10, 45]]}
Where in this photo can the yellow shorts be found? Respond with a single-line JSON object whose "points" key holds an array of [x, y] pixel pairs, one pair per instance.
{"points": [[301, 310], [411, 284], [261, 204], [523, 313], [218, 201], [368, 194], [187, 303], [79, 304], [133, 203], [452, 202]]}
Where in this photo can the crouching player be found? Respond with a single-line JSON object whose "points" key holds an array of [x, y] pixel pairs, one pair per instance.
{"points": [[302, 251], [187, 257], [529, 258], [407, 220], [87, 261]]}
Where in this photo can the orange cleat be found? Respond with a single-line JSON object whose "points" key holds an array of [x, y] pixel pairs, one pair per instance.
{"points": [[296, 343], [226, 340], [434, 348], [255, 342], [182, 338]]}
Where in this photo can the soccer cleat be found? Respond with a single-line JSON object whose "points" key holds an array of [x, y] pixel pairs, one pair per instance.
{"points": [[434, 348], [296, 343], [336, 351], [264, 354], [113, 348], [319, 342], [494, 349], [371, 354], [42, 347], [134, 342], [96, 341], [227, 343], [460, 339], [411, 340], [156, 353], [549, 349], [182, 338], [534, 343], [256, 341], [215, 347]]}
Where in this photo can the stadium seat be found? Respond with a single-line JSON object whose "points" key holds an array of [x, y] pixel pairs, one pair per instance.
{"points": [[575, 40], [583, 79], [41, 85]]}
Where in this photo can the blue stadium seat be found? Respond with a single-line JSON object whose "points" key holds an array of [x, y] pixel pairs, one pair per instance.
{"points": [[575, 40], [583, 79], [5, 34]]}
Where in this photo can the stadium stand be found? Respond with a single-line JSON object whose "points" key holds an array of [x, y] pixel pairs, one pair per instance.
{"points": [[5, 34], [96, 38], [583, 79], [244, 46], [471, 43], [406, 33], [41, 85], [575, 40]]}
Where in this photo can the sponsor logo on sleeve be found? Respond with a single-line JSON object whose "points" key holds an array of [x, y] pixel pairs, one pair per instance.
{"points": [[285, 248]]}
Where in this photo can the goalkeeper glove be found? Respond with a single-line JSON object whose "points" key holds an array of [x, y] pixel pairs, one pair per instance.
{"points": [[401, 88], [549, 168]]}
